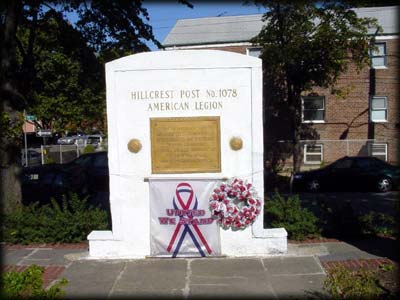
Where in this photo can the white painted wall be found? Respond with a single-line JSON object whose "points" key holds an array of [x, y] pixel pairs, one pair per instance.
{"points": [[127, 119]]}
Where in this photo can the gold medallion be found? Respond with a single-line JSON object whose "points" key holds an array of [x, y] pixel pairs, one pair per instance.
{"points": [[236, 143], [134, 146]]}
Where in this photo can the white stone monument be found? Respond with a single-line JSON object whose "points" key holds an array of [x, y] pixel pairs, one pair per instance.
{"points": [[194, 86]]}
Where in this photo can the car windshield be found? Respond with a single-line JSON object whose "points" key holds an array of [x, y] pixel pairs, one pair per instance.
{"points": [[93, 139]]}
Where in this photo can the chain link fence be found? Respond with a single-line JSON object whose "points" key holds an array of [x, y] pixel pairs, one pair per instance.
{"points": [[60, 154]]}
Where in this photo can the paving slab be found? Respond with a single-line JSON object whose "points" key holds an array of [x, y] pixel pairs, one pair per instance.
{"points": [[91, 278], [378, 246], [233, 278], [13, 257], [293, 266], [233, 289], [317, 249], [343, 251], [227, 266], [299, 287], [49, 257], [152, 277]]}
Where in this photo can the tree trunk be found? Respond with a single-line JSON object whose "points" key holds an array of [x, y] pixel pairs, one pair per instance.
{"points": [[10, 152], [296, 150], [295, 99], [10, 184], [10, 187]]}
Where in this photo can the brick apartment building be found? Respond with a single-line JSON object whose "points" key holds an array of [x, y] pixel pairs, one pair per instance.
{"points": [[363, 121]]}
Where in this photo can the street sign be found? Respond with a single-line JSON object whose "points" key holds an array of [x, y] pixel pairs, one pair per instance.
{"points": [[30, 118], [44, 133]]}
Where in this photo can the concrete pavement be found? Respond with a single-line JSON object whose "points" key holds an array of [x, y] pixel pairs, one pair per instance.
{"points": [[298, 274], [270, 278]]}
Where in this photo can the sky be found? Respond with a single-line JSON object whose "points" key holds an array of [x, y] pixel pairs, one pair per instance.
{"points": [[163, 15]]}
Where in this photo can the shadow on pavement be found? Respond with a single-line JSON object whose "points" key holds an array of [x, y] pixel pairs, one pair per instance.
{"points": [[379, 246]]}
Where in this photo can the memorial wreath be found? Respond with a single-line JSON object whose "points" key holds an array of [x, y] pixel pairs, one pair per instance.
{"points": [[235, 204]]}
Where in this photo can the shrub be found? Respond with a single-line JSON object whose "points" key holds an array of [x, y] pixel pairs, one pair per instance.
{"points": [[88, 149], [343, 284], [377, 224], [339, 220], [288, 213], [49, 160], [29, 284], [69, 222]]}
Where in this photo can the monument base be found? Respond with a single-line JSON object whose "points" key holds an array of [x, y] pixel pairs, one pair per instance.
{"points": [[103, 245], [243, 243]]}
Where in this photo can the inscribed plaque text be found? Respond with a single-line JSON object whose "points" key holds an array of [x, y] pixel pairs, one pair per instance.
{"points": [[185, 145]]}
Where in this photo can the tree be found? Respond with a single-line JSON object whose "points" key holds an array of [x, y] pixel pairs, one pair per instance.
{"points": [[308, 44], [110, 28], [68, 88]]}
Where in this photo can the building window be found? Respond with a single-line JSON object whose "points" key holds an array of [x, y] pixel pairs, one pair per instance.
{"points": [[379, 151], [378, 55], [313, 109], [255, 52], [313, 154], [379, 109]]}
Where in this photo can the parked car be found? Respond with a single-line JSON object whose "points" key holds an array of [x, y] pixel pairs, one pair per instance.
{"points": [[95, 166], [94, 139], [349, 174], [84, 175], [34, 158], [40, 184], [70, 138]]}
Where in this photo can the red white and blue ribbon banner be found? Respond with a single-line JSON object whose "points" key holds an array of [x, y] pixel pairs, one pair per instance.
{"points": [[181, 223]]}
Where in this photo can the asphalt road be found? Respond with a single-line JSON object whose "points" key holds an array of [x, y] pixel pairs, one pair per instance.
{"points": [[360, 202]]}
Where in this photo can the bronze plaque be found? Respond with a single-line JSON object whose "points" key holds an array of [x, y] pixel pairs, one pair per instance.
{"points": [[185, 145]]}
